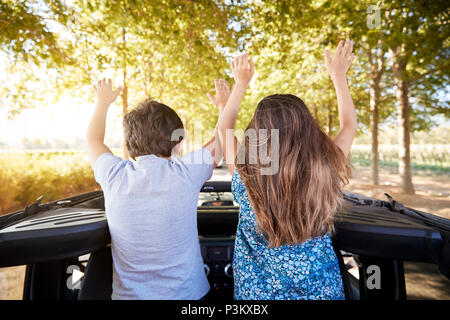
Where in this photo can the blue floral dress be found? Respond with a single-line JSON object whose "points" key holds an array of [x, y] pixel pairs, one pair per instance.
{"points": [[306, 271]]}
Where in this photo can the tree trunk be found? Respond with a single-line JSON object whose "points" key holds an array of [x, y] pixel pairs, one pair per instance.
{"points": [[374, 102], [403, 121], [376, 70]]}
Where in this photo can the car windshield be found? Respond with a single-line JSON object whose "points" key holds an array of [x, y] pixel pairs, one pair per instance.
{"points": [[216, 199]]}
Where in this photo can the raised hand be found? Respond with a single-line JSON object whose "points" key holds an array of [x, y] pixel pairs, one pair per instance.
{"points": [[104, 92], [243, 69], [337, 67], [222, 93], [339, 64]]}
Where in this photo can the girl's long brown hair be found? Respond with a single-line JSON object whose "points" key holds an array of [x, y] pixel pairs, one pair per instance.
{"points": [[301, 199]]}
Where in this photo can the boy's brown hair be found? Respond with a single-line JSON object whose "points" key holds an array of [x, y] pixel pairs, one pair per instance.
{"points": [[149, 129]]}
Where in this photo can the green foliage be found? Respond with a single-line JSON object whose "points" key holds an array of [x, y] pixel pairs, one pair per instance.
{"points": [[32, 51], [419, 36], [25, 30], [168, 50], [172, 51]]}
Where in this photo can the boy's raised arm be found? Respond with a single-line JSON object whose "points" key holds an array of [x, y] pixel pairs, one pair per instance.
{"points": [[96, 129], [243, 70], [337, 67]]}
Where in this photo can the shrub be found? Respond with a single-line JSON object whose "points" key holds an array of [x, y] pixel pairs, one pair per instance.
{"points": [[24, 176]]}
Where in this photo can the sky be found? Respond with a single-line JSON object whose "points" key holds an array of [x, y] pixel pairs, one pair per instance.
{"points": [[66, 120]]}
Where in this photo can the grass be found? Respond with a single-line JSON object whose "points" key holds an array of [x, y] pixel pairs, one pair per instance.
{"points": [[24, 176], [428, 157]]}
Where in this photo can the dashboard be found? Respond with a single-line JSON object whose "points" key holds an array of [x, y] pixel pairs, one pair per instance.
{"points": [[79, 226]]}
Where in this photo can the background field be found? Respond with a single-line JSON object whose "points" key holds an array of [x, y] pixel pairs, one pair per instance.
{"points": [[430, 157], [26, 175]]}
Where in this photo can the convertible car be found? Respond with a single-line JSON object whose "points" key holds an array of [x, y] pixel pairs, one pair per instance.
{"points": [[65, 245]]}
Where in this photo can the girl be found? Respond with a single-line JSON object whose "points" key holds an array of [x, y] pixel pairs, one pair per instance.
{"points": [[283, 248]]}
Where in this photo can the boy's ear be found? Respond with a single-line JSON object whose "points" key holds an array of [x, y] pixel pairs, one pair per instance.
{"points": [[178, 149]]}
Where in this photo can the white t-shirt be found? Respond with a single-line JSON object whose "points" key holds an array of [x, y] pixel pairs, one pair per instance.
{"points": [[151, 209]]}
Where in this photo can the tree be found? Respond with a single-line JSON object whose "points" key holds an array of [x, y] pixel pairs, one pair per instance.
{"points": [[352, 19], [170, 50], [289, 59], [418, 45], [28, 45], [412, 34], [288, 41], [25, 34]]}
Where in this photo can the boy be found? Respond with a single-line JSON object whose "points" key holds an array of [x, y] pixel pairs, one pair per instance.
{"points": [[151, 204]]}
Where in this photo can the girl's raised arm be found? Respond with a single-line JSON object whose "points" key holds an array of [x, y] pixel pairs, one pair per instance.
{"points": [[219, 100], [243, 70], [337, 67]]}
